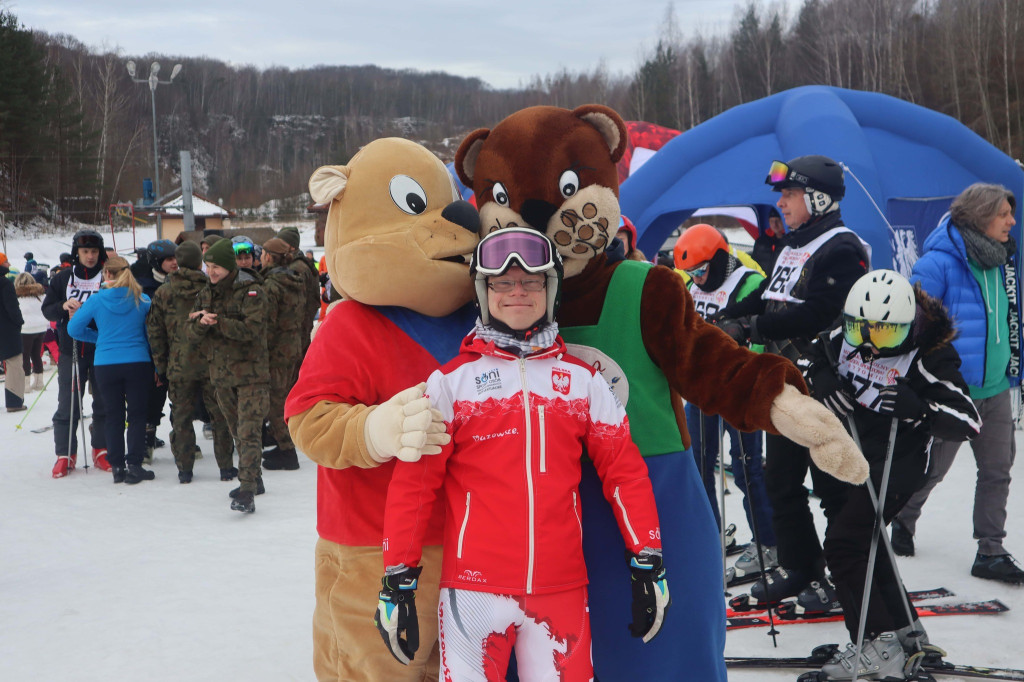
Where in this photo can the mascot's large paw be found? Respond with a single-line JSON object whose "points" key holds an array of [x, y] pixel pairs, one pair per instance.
{"points": [[807, 422], [406, 427]]}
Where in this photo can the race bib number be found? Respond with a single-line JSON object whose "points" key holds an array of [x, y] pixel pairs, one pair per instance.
{"points": [[868, 378], [81, 289]]}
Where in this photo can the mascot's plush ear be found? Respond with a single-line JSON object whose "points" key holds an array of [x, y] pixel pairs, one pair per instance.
{"points": [[328, 183], [469, 150], [608, 123]]}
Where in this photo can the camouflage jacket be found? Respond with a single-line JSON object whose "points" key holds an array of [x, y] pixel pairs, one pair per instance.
{"points": [[286, 315], [174, 355], [311, 279], [235, 347]]}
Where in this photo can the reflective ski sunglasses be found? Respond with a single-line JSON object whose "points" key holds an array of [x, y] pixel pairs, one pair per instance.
{"points": [[496, 251], [698, 271], [882, 335]]}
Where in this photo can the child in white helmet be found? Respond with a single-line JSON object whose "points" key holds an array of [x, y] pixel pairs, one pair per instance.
{"points": [[890, 359]]}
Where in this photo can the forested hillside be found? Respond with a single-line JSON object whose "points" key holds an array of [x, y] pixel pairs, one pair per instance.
{"points": [[76, 131]]}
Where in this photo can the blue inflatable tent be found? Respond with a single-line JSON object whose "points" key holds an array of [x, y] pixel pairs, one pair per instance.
{"points": [[903, 160]]}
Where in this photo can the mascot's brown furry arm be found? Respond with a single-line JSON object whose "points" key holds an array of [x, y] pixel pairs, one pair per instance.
{"points": [[554, 170]]}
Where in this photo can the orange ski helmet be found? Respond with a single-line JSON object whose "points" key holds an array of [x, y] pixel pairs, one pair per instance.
{"points": [[696, 245]]}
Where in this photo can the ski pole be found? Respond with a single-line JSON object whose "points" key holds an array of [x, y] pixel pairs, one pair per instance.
{"points": [[876, 531], [81, 420], [757, 536], [74, 396], [721, 494], [38, 396]]}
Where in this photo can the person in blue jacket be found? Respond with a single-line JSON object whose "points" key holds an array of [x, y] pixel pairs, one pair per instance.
{"points": [[969, 263], [123, 366]]}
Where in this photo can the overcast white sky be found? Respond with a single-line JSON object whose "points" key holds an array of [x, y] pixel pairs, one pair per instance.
{"points": [[503, 43]]}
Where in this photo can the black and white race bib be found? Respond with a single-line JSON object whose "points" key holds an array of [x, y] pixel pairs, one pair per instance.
{"points": [[80, 289], [870, 377], [790, 263], [708, 303]]}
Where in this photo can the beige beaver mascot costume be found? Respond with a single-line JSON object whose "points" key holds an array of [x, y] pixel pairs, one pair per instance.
{"points": [[397, 247], [554, 170]]}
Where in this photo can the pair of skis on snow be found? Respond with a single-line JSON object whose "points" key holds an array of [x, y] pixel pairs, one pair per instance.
{"points": [[741, 615], [743, 619]]}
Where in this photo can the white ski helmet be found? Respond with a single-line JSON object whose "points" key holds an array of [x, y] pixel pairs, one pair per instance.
{"points": [[882, 296]]}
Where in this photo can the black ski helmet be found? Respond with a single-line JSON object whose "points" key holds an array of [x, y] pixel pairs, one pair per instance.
{"points": [[89, 239], [820, 177], [530, 250], [158, 251], [28, 255]]}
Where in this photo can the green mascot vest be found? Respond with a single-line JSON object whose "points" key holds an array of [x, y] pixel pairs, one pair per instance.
{"points": [[615, 347]]}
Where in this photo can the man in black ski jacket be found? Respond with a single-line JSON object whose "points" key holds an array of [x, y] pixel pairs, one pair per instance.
{"points": [[816, 264], [69, 288]]}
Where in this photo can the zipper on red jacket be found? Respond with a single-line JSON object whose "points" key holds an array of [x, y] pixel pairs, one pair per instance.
{"points": [[529, 475], [576, 510], [543, 439], [462, 531], [625, 517]]}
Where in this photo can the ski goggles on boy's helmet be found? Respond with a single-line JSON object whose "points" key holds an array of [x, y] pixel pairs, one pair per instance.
{"points": [[858, 332], [698, 271], [242, 245], [524, 247]]}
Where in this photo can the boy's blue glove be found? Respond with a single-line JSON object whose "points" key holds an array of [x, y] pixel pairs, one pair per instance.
{"points": [[650, 593], [396, 613]]}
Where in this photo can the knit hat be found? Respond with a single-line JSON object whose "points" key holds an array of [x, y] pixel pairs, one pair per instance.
{"points": [[211, 239], [290, 235], [278, 246], [221, 254], [3, 258], [189, 255]]}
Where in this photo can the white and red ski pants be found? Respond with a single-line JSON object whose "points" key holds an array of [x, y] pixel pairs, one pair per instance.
{"points": [[550, 634]]}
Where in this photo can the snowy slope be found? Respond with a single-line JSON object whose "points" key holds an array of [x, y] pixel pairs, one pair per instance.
{"points": [[161, 581]]}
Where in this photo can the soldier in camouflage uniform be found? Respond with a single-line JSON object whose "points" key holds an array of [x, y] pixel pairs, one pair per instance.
{"points": [[308, 271], [286, 295], [182, 366], [229, 320]]}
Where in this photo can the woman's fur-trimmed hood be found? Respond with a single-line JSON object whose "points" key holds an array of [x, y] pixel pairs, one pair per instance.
{"points": [[933, 327], [34, 289]]}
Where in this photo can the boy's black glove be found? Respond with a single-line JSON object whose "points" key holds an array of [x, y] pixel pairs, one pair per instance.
{"points": [[737, 328], [396, 614], [650, 593], [834, 393], [900, 400]]}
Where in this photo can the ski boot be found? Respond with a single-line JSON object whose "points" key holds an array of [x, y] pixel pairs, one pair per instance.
{"points": [[920, 652], [731, 546], [816, 600], [747, 567], [881, 658], [99, 459], [65, 465], [782, 583]]}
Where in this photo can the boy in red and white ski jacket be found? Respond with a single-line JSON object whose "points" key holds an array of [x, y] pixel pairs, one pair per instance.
{"points": [[510, 473]]}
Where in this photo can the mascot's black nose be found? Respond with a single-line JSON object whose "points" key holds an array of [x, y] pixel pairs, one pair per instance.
{"points": [[537, 213], [462, 214]]}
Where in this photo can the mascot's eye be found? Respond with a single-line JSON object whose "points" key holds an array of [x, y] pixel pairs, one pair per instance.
{"points": [[500, 193], [569, 183], [408, 195]]}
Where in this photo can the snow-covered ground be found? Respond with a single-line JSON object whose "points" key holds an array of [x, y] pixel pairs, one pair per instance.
{"points": [[161, 581]]}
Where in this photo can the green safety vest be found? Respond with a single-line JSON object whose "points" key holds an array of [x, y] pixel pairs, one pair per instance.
{"points": [[615, 346]]}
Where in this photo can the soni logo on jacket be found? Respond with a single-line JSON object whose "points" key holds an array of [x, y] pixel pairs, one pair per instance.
{"points": [[488, 381]]}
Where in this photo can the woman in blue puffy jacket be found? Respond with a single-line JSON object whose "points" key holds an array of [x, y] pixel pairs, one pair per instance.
{"points": [[123, 366], [969, 264]]}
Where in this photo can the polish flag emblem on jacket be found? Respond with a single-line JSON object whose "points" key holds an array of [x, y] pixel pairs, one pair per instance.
{"points": [[560, 380]]}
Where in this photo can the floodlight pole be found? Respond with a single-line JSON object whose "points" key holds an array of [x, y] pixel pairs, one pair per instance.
{"points": [[153, 81]]}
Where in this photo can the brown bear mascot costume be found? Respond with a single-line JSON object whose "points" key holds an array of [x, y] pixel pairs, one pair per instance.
{"points": [[398, 242], [553, 169]]}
